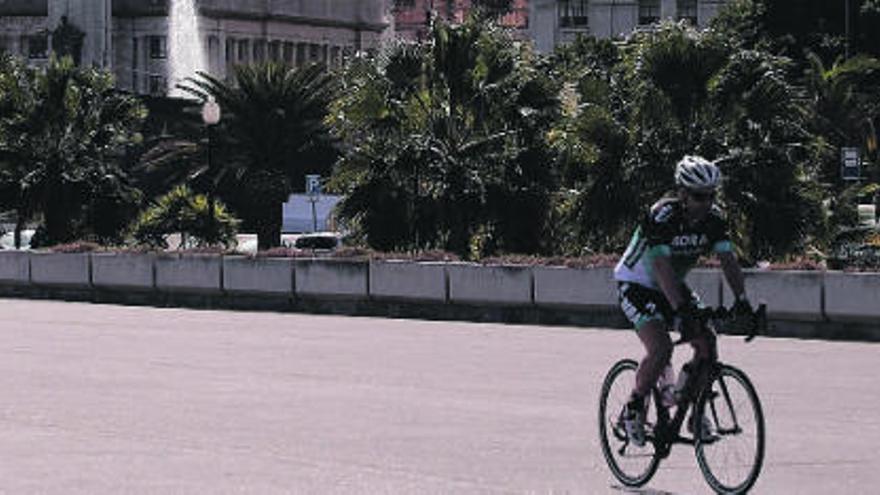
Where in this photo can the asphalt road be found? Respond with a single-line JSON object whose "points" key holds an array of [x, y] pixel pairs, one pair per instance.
{"points": [[108, 399]]}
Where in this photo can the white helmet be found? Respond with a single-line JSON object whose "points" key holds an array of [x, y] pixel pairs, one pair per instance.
{"points": [[695, 172]]}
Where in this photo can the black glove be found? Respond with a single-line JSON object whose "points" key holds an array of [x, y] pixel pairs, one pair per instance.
{"points": [[686, 321]]}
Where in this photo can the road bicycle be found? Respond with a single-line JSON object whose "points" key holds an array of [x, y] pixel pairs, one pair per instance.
{"points": [[728, 443]]}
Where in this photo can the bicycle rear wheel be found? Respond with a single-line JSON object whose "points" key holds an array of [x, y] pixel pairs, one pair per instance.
{"points": [[731, 456], [633, 466]]}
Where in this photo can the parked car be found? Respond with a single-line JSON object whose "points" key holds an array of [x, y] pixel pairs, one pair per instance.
{"points": [[319, 241]]}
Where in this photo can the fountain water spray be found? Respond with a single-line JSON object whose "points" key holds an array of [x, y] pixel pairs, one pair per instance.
{"points": [[186, 53]]}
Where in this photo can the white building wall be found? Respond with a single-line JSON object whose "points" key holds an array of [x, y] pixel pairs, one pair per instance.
{"points": [[119, 32], [707, 9], [668, 9], [14, 33], [94, 18], [608, 18]]}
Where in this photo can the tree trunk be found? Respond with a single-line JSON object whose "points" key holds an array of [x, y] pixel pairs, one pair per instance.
{"points": [[57, 224], [55, 227], [269, 227], [56, 212], [19, 226]]}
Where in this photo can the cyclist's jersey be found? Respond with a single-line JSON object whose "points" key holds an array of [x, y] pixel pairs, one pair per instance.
{"points": [[664, 231]]}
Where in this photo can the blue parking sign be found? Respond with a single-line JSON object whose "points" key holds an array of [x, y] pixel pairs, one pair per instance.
{"points": [[313, 185]]}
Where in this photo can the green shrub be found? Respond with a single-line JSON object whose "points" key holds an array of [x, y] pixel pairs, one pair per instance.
{"points": [[182, 211]]}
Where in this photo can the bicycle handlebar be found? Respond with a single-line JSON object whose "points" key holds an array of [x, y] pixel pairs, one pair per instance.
{"points": [[721, 314]]}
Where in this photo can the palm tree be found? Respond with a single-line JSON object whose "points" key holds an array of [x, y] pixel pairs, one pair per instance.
{"points": [[447, 144], [273, 133], [14, 77], [847, 103], [65, 131], [678, 91]]}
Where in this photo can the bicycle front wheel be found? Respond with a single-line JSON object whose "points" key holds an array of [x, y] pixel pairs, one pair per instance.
{"points": [[633, 466], [732, 452]]}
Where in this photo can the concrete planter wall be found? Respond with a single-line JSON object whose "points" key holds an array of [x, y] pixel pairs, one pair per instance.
{"points": [[331, 278], [852, 296], [814, 298], [559, 286], [502, 285], [796, 295], [405, 280], [61, 269], [15, 268], [122, 270], [189, 273], [270, 276]]}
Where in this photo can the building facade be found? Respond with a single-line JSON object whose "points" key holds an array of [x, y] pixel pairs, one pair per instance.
{"points": [[554, 22], [412, 17], [131, 37]]}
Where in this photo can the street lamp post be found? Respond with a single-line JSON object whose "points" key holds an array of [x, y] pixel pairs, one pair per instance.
{"points": [[846, 23], [211, 117]]}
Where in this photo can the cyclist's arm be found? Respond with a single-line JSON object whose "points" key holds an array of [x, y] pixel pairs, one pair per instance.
{"points": [[665, 277], [733, 274]]}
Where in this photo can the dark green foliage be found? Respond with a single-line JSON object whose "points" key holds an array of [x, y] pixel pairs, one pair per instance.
{"points": [[63, 139], [675, 91], [273, 132], [447, 144], [182, 211]]}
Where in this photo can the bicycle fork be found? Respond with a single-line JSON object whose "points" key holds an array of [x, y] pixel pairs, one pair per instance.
{"points": [[711, 401]]}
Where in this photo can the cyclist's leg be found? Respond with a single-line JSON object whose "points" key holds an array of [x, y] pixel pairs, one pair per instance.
{"points": [[658, 351], [649, 312], [705, 346], [705, 353]]}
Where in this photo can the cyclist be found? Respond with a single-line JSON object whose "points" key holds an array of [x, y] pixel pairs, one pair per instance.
{"points": [[676, 231]]}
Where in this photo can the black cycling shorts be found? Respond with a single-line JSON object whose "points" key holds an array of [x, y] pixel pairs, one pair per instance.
{"points": [[642, 304]]}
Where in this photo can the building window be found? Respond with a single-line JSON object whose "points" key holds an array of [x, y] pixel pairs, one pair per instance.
{"points": [[134, 65], [573, 13], [213, 49], [230, 50], [243, 47], [259, 50], [300, 54], [158, 86], [158, 47], [314, 52], [288, 52], [38, 46], [275, 51], [687, 10], [649, 11]]}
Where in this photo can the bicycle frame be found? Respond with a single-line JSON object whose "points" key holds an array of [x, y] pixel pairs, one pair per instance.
{"points": [[667, 431]]}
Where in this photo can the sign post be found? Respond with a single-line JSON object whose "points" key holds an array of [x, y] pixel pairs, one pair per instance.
{"points": [[313, 190], [850, 164]]}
